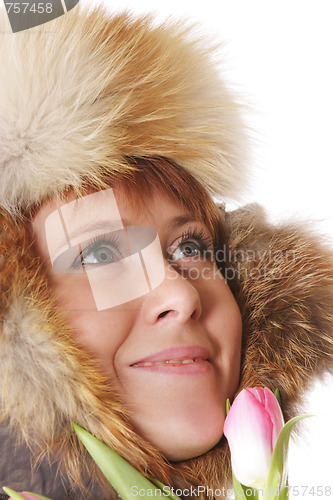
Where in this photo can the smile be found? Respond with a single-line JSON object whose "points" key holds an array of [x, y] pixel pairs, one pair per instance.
{"points": [[176, 360], [169, 362], [174, 355]]}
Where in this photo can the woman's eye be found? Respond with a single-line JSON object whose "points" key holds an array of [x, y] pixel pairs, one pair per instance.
{"points": [[188, 249], [101, 254], [193, 244]]}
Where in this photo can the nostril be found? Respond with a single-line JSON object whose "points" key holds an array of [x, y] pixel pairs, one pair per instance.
{"points": [[196, 314]]}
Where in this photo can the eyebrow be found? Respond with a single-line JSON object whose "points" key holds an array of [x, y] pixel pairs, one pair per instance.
{"points": [[181, 220], [110, 225]]}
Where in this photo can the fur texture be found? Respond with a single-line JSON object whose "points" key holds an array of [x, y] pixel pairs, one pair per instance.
{"points": [[81, 94], [283, 281], [284, 277]]}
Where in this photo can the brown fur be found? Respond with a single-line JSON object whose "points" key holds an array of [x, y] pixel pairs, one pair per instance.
{"points": [[286, 284]]}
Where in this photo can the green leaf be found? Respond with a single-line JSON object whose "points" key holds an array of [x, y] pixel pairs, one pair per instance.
{"points": [[37, 496], [238, 488], [277, 395], [284, 493], [126, 480], [227, 406], [278, 494], [242, 491], [13, 494], [167, 492], [277, 476]]}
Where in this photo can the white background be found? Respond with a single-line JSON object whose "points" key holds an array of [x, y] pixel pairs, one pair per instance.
{"points": [[279, 55]]}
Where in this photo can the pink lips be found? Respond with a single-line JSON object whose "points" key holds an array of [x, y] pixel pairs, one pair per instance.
{"points": [[182, 359]]}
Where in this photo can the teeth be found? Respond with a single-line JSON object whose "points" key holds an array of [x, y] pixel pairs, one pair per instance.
{"points": [[169, 361]]}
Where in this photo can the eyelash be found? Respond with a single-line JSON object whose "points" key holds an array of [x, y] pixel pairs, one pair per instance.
{"points": [[205, 242]]}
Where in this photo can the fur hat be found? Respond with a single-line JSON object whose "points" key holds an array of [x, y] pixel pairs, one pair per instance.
{"points": [[82, 94]]}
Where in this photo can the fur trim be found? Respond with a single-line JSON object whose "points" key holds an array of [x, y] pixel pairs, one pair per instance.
{"points": [[285, 283], [82, 93], [283, 280]]}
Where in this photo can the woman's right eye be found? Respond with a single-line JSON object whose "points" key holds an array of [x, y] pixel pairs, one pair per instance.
{"points": [[99, 252]]}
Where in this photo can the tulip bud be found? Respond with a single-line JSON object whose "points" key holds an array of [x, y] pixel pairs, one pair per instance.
{"points": [[251, 428], [14, 495]]}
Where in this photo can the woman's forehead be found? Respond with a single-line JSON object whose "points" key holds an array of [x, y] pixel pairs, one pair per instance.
{"points": [[108, 210], [110, 202]]}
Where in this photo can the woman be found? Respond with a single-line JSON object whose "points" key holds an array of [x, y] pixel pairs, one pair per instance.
{"points": [[114, 310]]}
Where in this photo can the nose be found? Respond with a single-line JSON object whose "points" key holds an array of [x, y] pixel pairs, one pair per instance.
{"points": [[176, 298]]}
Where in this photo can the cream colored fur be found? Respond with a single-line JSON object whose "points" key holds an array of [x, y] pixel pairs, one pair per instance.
{"points": [[81, 94]]}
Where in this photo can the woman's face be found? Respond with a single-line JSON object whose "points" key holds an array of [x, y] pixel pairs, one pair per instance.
{"points": [[173, 350]]}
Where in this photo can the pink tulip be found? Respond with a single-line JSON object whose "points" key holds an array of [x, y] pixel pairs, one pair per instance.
{"points": [[251, 428]]}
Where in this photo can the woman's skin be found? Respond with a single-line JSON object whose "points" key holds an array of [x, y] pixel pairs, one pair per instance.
{"points": [[173, 354]]}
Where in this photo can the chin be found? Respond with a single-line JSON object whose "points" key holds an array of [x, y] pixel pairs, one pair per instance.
{"points": [[184, 450], [181, 438]]}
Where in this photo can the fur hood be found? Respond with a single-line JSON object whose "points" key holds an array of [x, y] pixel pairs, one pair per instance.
{"points": [[79, 97], [283, 281]]}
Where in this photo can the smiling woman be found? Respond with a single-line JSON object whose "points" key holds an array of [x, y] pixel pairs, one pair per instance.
{"points": [[131, 304], [171, 350]]}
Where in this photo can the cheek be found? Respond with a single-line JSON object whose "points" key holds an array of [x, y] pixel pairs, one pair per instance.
{"points": [[221, 309], [224, 322], [233, 323], [72, 292], [101, 333], [232, 342]]}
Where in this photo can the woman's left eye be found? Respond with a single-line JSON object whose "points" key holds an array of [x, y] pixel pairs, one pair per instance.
{"points": [[187, 249], [193, 243]]}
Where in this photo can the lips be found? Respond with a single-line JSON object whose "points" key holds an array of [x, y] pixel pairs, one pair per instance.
{"points": [[169, 361], [174, 356]]}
